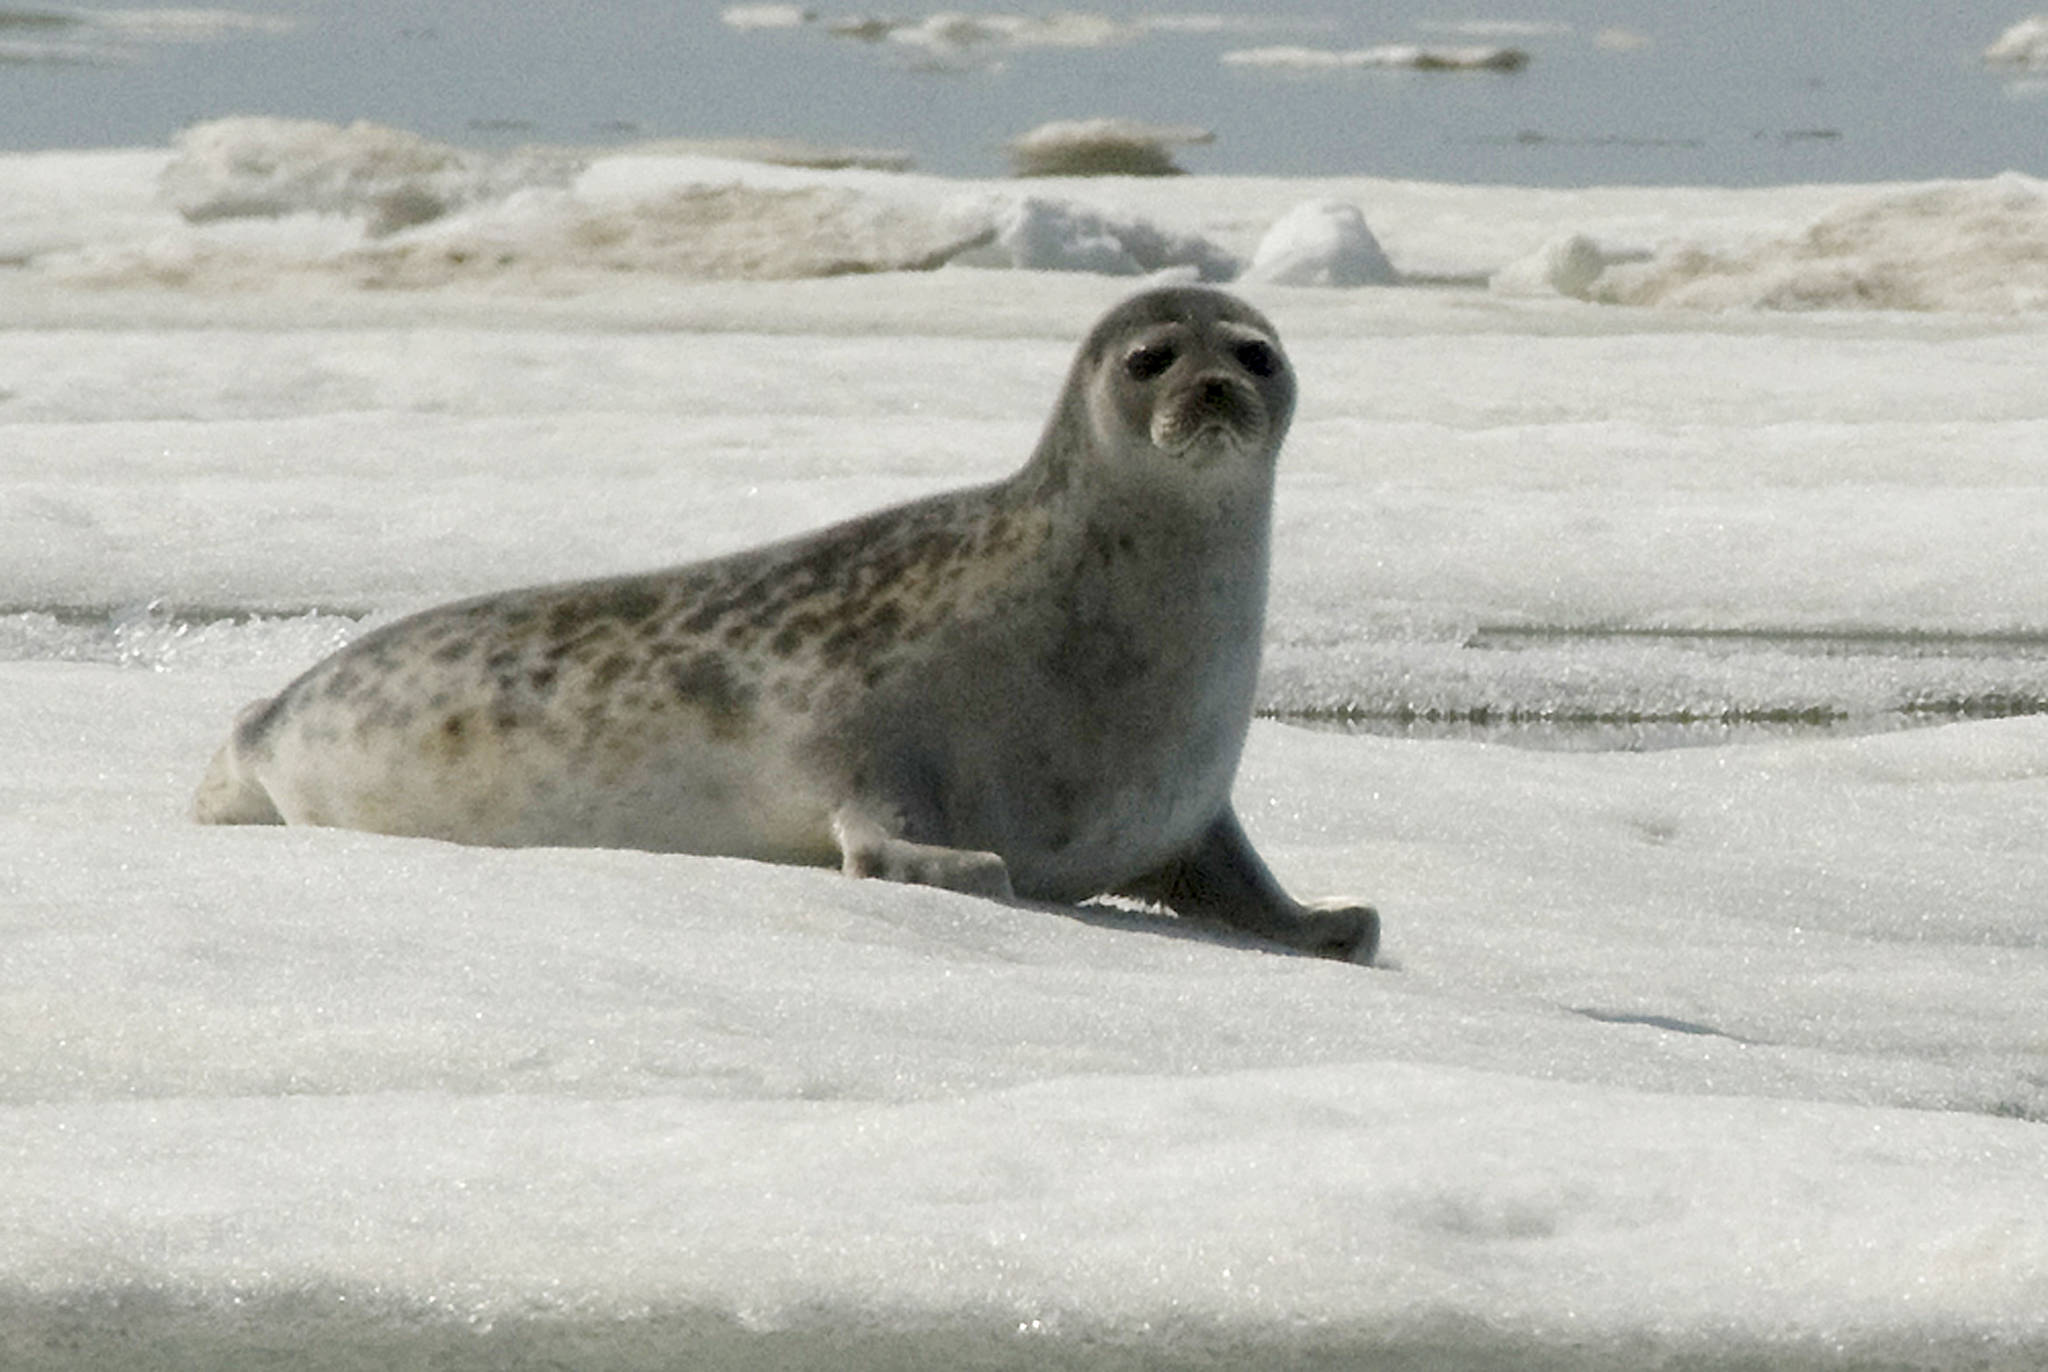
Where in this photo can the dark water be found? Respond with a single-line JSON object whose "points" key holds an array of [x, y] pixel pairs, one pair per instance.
{"points": [[1797, 685], [1746, 92]]}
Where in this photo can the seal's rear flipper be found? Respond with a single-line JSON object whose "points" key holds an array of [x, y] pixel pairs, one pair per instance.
{"points": [[1222, 878], [226, 796]]}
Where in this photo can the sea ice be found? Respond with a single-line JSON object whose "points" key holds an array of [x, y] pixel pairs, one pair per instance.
{"points": [[1036, 233], [1719, 1058], [1569, 266], [1970, 245], [766, 16], [249, 166], [1321, 243], [2024, 45], [1411, 56], [1102, 147]]}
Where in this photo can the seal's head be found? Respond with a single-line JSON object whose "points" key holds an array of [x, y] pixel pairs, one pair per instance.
{"points": [[1187, 374]]}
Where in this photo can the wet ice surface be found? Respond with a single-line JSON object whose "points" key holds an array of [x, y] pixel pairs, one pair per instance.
{"points": [[1713, 1057]]}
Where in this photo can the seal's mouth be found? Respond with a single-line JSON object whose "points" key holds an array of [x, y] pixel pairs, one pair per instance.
{"points": [[1212, 408]]}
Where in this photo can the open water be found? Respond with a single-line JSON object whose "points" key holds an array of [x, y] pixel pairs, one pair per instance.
{"points": [[1749, 92]]}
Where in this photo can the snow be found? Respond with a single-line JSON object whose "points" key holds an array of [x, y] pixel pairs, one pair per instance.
{"points": [[1713, 1057], [1980, 245], [1040, 233], [266, 167], [1102, 147], [1320, 243]]}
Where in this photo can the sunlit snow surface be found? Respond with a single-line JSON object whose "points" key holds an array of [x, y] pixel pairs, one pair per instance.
{"points": [[1714, 1058]]}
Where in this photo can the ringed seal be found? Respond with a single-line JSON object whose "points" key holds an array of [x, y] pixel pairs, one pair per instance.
{"points": [[1034, 688]]}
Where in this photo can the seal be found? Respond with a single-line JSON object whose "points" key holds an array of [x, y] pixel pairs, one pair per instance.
{"points": [[1036, 688]]}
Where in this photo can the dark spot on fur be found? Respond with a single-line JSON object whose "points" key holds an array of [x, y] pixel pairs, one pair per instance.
{"points": [[342, 683], [707, 682], [611, 669], [502, 661], [885, 621], [542, 679], [631, 602], [577, 645], [839, 645], [565, 619], [793, 634]]}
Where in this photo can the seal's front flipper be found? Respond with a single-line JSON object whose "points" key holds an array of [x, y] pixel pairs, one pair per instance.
{"points": [[1221, 878], [866, 849]]}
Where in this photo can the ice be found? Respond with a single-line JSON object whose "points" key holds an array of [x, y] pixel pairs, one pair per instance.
{"points": [[766, 16], [1720, 1058], [1102, 147], [393, 179], [1412, 56], [370, 207], [1945, 246], [1570, 265], [186, 25], [366, 207], [788, 152], [952, 41], [59, 36], [1038, 233], [1320, 243], [2023, 46]]}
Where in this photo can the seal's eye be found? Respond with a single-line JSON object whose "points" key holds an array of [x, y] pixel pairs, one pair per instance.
{"points": [[1149, 361], [1257, 358]]}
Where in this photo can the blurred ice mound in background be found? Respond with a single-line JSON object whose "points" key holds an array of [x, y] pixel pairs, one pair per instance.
{"points": [[370, 206], [786, 152], [2023, 46], [722, 232], [252, 203], [1300, 61], [1321, 243], [37, 36], [1965, 245], [1037, 233], [389, 178], [1102, 147]]}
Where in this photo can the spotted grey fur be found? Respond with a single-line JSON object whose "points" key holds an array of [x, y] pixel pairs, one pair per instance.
{"points": [[1038, 687]]}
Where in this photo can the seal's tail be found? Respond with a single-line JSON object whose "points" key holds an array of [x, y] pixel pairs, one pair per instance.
{"points": [[227, 796]]}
